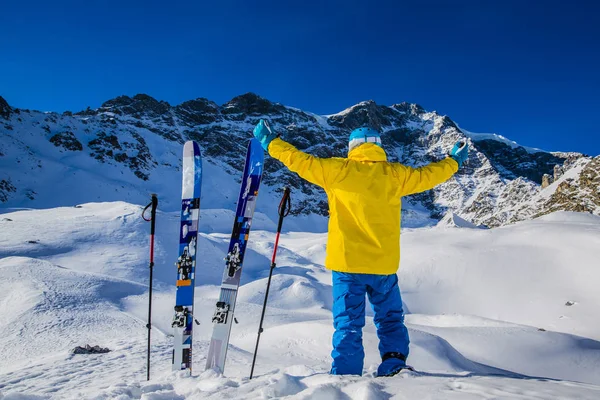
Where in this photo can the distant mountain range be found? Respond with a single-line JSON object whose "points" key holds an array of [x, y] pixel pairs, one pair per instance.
{"points": [[131, 146]]}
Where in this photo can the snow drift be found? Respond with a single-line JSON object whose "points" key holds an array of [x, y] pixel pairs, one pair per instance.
{"points": [[486, 310]]}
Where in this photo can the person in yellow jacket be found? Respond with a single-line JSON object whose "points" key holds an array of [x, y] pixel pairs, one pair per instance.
{"points": [[364, 193]]}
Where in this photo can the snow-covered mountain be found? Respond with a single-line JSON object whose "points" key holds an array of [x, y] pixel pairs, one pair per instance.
{"points": [[130, 147]]}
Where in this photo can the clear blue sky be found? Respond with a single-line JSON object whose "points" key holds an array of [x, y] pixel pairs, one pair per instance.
{"points": [[526, 69]]}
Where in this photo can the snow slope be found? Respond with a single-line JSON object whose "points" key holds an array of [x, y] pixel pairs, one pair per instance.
{"points": [[499, 138], [486, 310]]}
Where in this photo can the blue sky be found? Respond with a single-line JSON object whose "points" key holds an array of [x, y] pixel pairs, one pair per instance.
{"points": [[525, 69]]}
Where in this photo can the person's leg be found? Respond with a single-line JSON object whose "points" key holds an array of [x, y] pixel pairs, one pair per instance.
{"points": [[348, 320], [384, 296]]}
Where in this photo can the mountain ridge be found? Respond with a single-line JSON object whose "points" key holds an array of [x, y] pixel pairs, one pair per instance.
{"points": [[140, 135]]}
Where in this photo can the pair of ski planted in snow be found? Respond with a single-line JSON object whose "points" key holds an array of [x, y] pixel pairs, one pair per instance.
{"points": [[183, 321]]}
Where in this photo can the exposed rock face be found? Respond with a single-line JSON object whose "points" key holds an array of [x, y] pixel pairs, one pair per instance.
{"points": [[249, 104], [499, 184], [105, 147], [578, 193], [515, 162], [6, 189], [558, 172], [138, 106], [4, 108], [198, 112], [66, 140], [546, 180], [366, 113]]}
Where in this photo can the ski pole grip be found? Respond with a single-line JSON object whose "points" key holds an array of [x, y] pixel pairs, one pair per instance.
{"points": [[285, 204], [284, 207], [153, 213]]}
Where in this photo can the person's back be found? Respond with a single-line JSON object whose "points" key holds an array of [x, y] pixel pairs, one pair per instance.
{"points": [[365, 205], [363, 247]]}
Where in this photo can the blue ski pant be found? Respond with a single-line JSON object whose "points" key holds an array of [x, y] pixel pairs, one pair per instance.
{"points": [[349, 318]]}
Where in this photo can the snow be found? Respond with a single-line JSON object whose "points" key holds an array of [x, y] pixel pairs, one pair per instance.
{"points": [[347, 110], [453, 220], [485, 310], [499, 138]]}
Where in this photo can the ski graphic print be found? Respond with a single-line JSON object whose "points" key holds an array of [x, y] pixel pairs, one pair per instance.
{"points": [[225, 307], [186, 262]]}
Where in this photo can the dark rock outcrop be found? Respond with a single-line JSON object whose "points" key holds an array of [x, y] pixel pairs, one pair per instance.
{"points": [[87, 349], [6, 188], [5, 109], [514, 162], [581, 194], [66, 140], [138, 106], [198, 112], [367, 113], [249, 104]]}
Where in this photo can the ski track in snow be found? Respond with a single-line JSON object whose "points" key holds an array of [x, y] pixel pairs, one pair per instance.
{"points": [[485, 309]]}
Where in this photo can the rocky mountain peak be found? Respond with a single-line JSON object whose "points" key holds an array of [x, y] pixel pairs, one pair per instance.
{"points": [[409, 108], [448, 123], [199, 111], [251, 104], [199, 105], [5, 109], [120, 101], [367, 113], [140, 104]]}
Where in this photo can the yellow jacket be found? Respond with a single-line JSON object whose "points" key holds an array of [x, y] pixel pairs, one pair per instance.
{"points": [[364, 192]]}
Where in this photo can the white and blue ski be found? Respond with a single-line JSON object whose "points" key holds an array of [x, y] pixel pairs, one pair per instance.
{"points": [[186, 262], [225, 307]]}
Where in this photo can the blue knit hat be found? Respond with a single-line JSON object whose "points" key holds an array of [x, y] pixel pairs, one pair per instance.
{"points": [[363, 135]]}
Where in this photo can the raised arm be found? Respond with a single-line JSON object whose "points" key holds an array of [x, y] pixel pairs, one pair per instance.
{"points": [[311, 168], [416, 180]]}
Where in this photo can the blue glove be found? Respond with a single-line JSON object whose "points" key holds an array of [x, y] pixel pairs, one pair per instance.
{"points": [[460, 152], [264, 134]]}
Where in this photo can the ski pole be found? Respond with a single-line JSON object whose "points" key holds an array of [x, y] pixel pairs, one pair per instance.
{"points": [[284, 210], [152, 220]]}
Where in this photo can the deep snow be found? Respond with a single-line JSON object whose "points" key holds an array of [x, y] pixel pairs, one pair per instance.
{"points": [[486, 310]]}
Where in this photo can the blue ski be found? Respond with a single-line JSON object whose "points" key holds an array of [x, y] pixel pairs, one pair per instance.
{"points": [[225, 308], [186, 262]]}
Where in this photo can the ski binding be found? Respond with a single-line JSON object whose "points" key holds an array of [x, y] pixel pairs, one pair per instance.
{"points": [[233, 260], [221, 313]]}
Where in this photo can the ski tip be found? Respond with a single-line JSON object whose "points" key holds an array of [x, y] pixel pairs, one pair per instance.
{"points": [[191, 148], [256, 149], [254, 144]]}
